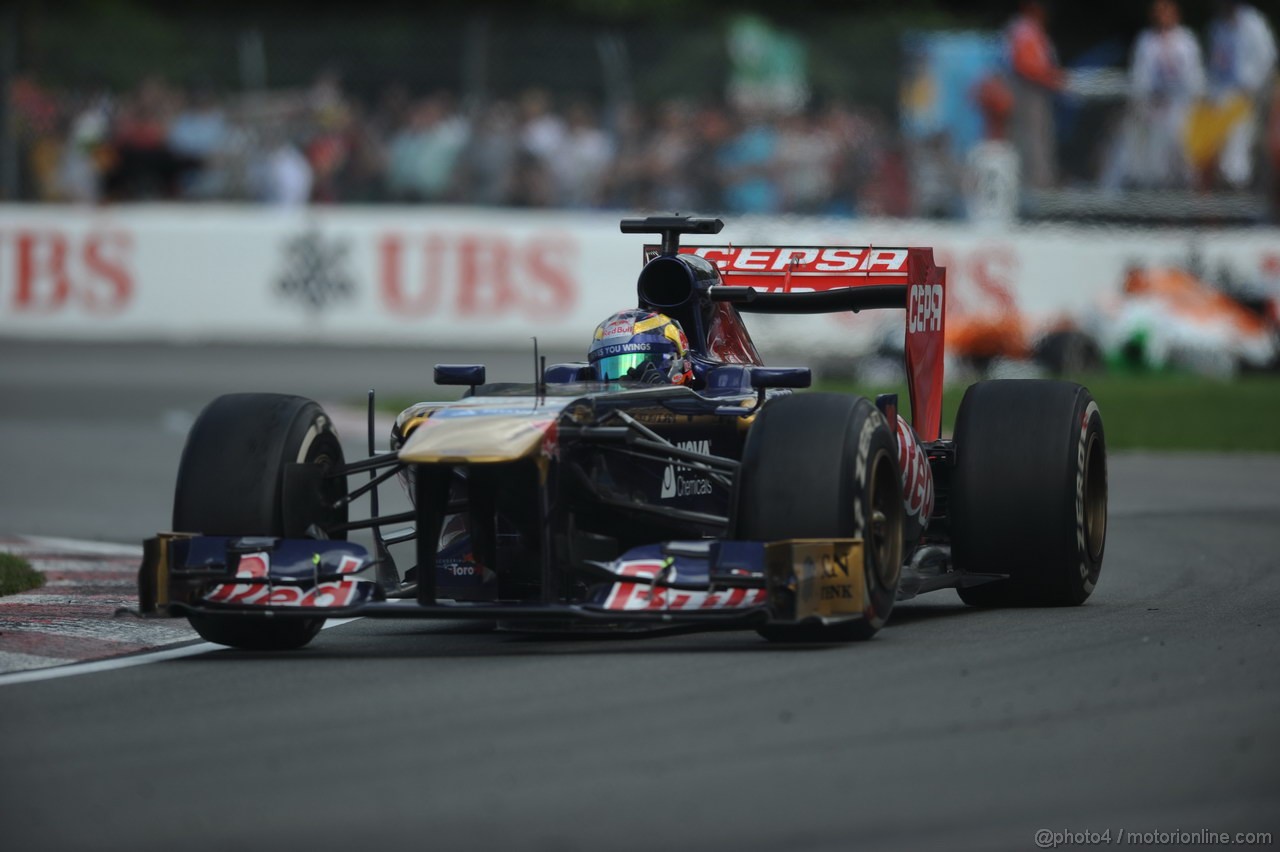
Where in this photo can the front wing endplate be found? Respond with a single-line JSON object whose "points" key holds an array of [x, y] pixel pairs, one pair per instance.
{"points": [[815, 578]]}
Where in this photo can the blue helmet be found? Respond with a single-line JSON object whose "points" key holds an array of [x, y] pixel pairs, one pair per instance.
{"points": [[643, 346]]}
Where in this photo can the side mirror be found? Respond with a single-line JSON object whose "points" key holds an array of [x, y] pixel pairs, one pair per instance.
{"points": [[559, 374], [763, 378], [781, 377], [459, 374], [728, 378]]}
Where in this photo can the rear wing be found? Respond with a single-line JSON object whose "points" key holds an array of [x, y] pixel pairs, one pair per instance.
{"points": [[823, 279]]}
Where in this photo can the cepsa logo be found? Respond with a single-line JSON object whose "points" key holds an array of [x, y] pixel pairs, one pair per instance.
{"points": [[924, 308], [477, 275], [48, 272], [805, 259]]}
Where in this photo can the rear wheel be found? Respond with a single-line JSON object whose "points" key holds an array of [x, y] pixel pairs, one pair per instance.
{"points": [[232, 481], [1029, 492], [825, 466]]}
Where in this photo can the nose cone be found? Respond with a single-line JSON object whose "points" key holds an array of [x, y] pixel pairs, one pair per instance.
{"points": [[464, 436]]}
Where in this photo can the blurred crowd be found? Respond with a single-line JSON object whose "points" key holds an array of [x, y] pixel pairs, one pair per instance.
{"points": [[1189, 122], [1197, 112], [324, 145]]}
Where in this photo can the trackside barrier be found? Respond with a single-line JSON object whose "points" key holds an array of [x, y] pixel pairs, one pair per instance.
{"points": [[470, 277]]}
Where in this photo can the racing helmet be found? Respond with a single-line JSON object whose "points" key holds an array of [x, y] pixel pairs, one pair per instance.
{"points": [[640, 346]]}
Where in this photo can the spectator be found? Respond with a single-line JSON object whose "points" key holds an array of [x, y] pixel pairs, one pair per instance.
{"points": [[326, 102], [991, 169], [329, 152], [488, 161], [358, 176], [423, 153], [79, 168], [579, 164], [541, 130], [1036, 78], [712, 130], [995, 101], [848, 132], [872, 169], [145, 167], [1242, 55], [1166, 77], [281, 176], [886, 188], [41, 129], [532, 184], [935, 178], [627, 184], [197, 136], [749, 164], [541, 134], [666, 157], [806, 162]]}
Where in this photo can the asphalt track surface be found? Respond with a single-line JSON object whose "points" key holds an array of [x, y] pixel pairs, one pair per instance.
{"points": [[1154, 707]]}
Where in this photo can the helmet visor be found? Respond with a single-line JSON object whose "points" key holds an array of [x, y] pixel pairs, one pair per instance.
{"points": [[618, 367]]}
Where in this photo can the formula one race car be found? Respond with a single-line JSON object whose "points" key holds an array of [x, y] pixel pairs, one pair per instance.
{"points": [[588, 500]]}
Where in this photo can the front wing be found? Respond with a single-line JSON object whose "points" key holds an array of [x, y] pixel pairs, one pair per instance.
{"points": [[707, 584]]}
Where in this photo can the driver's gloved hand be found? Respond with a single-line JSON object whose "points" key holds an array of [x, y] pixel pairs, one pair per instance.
{"points": [[647, 373]]}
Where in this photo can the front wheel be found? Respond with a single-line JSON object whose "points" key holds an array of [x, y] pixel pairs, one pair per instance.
{"points": [[232, 482], [825, 466], [254, 633]]}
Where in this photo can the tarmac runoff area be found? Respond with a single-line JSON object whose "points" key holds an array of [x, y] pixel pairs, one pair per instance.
{"points": [[1155, 707]]}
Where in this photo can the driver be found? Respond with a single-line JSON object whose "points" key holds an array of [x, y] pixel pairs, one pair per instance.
{"points": [[641, 346]]}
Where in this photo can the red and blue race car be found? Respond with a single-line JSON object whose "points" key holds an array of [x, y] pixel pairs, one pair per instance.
{"points": [[723, 500]]}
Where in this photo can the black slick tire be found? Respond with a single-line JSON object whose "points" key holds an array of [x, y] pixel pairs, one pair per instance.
{"points": [[231, 481], [825, 466], [1029, 492]]}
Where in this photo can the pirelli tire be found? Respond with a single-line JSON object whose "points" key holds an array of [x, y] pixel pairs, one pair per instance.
{"points": [[232, 481], [825, 466], [1029, 492]]}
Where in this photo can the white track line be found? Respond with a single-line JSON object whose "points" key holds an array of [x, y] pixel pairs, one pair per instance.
{"points": [[53, 544], [94, 666]]}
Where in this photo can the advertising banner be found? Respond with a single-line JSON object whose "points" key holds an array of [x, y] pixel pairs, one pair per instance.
{"points": [[475, 278]]}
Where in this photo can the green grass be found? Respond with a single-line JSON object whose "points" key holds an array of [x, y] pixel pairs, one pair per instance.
{"points": [[1159, 411], [17, 575]]}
